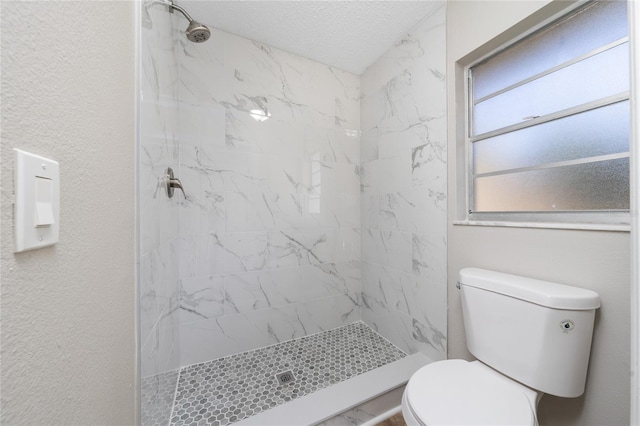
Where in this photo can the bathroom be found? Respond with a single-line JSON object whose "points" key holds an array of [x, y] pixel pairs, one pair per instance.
{"points": [[69, 311]]}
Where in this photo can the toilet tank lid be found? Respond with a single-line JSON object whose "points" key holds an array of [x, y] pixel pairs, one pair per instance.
{"points": [[544, 293]]}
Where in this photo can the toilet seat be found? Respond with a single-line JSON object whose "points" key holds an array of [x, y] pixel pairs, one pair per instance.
{"points": [[458, 392]]}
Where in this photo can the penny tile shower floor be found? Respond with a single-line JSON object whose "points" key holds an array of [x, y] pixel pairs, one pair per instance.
{"points": [[227, 390]]}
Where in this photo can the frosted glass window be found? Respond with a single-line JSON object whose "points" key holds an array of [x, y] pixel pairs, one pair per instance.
{"points": [[549, 118], [602, 185], [598, 24], [594, 78], [598, 132]]}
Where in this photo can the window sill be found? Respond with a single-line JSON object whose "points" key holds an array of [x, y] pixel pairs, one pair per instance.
{"points": [[547, 225]]}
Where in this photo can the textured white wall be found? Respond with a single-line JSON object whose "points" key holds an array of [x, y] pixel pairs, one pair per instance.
{"points": [[68, 312], [589, 259]]}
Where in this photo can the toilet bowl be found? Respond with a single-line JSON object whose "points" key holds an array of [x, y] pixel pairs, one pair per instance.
{"points": [[459, 392], [530, 337]]}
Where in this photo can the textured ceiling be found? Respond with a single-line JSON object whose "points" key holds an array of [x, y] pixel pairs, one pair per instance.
{"points": [[349, 35]]}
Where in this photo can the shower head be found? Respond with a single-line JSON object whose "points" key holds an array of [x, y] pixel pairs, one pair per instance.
{"points": [[196, 32]]}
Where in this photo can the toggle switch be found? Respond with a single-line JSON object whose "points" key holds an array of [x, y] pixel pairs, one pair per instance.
{"points": [[44, 199], [37, 201]]}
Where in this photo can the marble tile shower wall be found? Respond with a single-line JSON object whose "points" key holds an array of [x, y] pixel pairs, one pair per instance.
{"points": [[403, 122], [157, 214], [270, 230]]}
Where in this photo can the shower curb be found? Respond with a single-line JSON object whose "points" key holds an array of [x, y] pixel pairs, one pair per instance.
{"points": [[329, 402]]}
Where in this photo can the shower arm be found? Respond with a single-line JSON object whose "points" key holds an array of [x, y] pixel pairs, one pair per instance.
{"points": [[172, 6], [179, 9]]}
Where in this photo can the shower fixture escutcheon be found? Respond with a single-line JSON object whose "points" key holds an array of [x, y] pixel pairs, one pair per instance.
{"points": [[173, 182]]}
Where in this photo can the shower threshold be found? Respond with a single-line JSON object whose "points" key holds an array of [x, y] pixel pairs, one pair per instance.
{"points": [[227, 390]]}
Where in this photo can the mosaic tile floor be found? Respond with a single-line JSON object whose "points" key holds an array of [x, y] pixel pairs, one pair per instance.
{"points": [[157, 397], [227, 390]]}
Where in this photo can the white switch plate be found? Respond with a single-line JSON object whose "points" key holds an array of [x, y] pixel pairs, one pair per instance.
{"points": [[30, 170]]}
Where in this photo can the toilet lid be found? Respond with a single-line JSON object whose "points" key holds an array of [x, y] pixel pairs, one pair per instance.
{"points": [[455, 392]]}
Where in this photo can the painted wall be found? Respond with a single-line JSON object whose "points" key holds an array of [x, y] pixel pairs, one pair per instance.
{"points": [[68, 311], [157, 213], [591, 259], [634, 35], [404, 199], [270, 231]]}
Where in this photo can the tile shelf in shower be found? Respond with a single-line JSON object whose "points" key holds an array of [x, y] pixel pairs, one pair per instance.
{"points": [[237, 387]]}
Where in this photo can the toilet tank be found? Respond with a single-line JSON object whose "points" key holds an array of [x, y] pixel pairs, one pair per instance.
{"points": [[536, 332]]}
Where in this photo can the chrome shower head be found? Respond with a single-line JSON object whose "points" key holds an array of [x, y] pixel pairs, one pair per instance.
{"points": [[196, 32]]}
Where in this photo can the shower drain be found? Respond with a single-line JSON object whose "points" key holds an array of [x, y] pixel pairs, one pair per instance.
{"points": [[285, 377]]}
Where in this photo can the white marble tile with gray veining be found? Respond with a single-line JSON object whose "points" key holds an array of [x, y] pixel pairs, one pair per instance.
{"points": [[223, 171], [340, 278], [272, 136], [391, 248], [217, 337], [404, 190], [201, 298], [424, 44], [203, 214], [279, 286], [301, 319], [406, 310], [408, 211], [293, 248], [429, 260], [332, 145], [426, 337], [388, 324], [238, 251], [330, 211], [383, 287], [244, 292], [296, 89], [159, 352], [265, 199], [428, 170], [254, 211], [386, 175], [194, 256], [202, 125]]}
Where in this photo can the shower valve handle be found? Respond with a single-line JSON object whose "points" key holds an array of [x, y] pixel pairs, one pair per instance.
{"points": [[173, 182]]}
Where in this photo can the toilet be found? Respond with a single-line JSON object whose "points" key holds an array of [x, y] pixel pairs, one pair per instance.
{"points": [[530, 337]]}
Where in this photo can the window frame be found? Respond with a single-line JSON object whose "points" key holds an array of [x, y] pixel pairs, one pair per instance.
{"points": [[612, 220]]}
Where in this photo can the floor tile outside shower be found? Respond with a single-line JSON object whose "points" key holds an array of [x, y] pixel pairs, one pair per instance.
{"points": [[229, 389]]}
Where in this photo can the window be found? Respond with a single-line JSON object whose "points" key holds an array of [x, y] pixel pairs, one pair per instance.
{"points": [[548, 122]]}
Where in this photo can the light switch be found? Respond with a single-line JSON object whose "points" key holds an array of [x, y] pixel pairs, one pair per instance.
{"points": [[44, 199], [37, 201]]}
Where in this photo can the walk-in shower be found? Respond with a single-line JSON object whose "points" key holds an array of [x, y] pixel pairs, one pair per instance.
{"points": [[300, 259]]}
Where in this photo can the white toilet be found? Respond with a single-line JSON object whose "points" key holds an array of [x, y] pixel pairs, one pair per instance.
{"points": [[530, 337]]}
